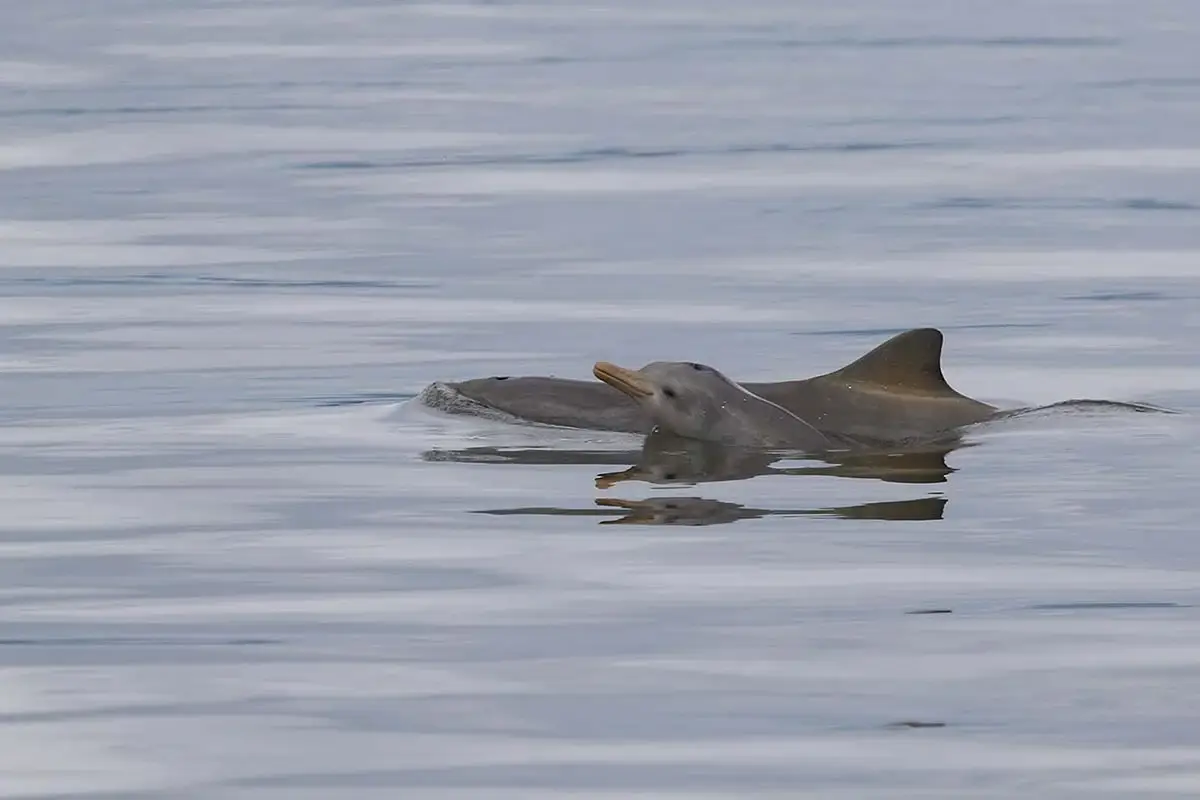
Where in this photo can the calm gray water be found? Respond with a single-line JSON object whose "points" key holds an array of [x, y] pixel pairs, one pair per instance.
{"points": [[235, 238]]}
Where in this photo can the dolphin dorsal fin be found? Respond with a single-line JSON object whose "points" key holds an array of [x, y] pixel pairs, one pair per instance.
{"points": [[909, 362]]}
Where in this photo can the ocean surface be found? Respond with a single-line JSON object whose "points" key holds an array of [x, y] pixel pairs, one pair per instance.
{"points": [[238, 560]]}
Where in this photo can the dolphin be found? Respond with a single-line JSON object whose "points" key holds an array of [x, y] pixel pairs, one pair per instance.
{"points": [[893, 393]]}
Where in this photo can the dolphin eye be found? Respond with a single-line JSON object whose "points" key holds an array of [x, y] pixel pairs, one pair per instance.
{"points": [[669, 392]]}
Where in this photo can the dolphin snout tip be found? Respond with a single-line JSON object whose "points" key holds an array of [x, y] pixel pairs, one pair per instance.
{"points": [[629, 381]]}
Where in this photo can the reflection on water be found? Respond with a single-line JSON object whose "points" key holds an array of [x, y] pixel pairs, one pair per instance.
{"points": [[703, 511], [673, 460], [667, 459], [670, 460]]}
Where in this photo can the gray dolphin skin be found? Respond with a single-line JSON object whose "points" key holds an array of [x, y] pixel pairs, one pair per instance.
{"points": [[894, 392], [699, 402]]}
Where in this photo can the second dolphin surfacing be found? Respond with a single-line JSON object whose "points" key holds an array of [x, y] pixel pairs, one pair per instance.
{"points": [[894, 392], [699, 402]]}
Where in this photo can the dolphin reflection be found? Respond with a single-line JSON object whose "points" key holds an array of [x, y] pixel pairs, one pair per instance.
{"points": [[667, 459], [703, 511], [673, 460]]}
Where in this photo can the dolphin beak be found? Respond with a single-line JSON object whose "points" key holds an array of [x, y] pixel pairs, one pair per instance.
{"points": [[625, 380], [611, 479]]}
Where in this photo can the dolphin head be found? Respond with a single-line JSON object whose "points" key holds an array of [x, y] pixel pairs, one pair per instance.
{"points": [[682, 397]]}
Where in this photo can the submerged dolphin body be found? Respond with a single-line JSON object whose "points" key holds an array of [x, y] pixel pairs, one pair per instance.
{"points": [[894, 392]]}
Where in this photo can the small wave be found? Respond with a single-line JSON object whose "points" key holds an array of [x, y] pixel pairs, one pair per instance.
{"points": [[445, 398], [158, 279], [1109, 297], [1057, 204], [1083, 406], [605, 154]]}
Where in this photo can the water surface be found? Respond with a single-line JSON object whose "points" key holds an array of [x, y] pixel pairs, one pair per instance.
{"points": [[237, 238]]}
